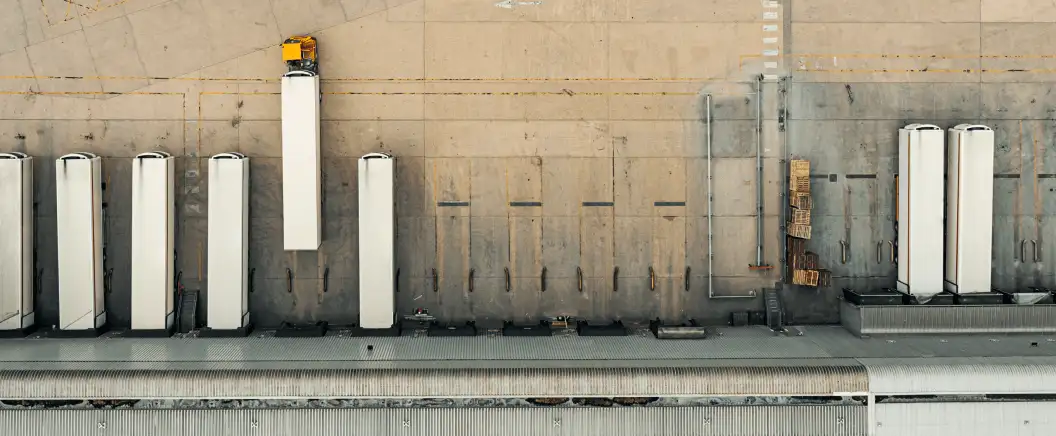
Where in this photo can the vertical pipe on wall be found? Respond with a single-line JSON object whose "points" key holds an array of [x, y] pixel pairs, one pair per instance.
{"points": [[759, 171], [785, 159]]}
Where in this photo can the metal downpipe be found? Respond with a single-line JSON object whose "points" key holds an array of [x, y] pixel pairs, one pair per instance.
{"points": [[759, 172]]}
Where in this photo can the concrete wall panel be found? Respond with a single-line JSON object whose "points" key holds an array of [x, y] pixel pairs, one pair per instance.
{"points": [[1017, 52], [593, 108], [555, 50], [170, 38], [1018, 11], [298, 17], [679, 51], [650, 186], [517, 101], [570, 11], [464, 50], [900, 11], [382, 49], [828, 52]]}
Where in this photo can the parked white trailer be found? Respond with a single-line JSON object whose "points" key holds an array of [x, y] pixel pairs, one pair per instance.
{"points": [[16, 243], [301, 186], [921, 163], [79, 218], [227, 296], [377, 241], [153, 246], [969, 208]]}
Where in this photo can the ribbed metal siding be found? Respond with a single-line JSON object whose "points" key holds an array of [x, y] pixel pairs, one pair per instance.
{"points": [[667, 421], [961, 379], [431, 383], [872, 320], [763, 345], [966, 419]]}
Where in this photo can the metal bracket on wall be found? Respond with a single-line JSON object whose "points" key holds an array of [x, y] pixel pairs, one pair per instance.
{"points": [[579, 279], [108, 280], [507, 272], [289, 281], [843, 252], [326, 279], [652, 279], [543, 280], [436, 281], [615, 279], [472, 273], [687, 278], [252, 272], [397, 284]]}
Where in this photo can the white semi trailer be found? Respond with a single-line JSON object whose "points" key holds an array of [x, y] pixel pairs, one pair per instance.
{"points": [[301, 182]]}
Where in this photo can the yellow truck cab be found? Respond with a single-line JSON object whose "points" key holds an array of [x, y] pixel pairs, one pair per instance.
{"points": [[300, 54]]}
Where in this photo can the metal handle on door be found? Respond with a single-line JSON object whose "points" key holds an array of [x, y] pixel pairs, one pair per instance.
{"points": [[843, 252], [1022, 253], [1034, 244], [652, 279], [891, 245], [879, 251]]}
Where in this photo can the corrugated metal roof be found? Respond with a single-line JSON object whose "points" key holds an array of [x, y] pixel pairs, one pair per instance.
{"points": [[875, 320], [979, 378], [704, 421], [966, 419], [418, 364], [527, 382], [405, 348], [750, 344]]}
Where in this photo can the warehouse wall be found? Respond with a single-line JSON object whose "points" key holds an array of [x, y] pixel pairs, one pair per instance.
{"points": [[514, 121], [860, 73]]}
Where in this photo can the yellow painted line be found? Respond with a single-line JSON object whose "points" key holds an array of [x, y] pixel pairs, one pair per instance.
{"points": [[237, 93], [897, 70], [87, 93], [376, 79], [472, 94], [919, 56]]}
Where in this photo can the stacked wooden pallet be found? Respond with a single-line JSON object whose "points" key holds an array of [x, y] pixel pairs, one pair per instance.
{"points": [[799, 199], [803, 265]]}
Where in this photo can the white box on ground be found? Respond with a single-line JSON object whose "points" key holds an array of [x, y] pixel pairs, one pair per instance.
{"points": [[969, 208], [921, 162], [78, 214], [377, 241], [301, 187], [227, 295], [152, 241], [16, 242]]}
